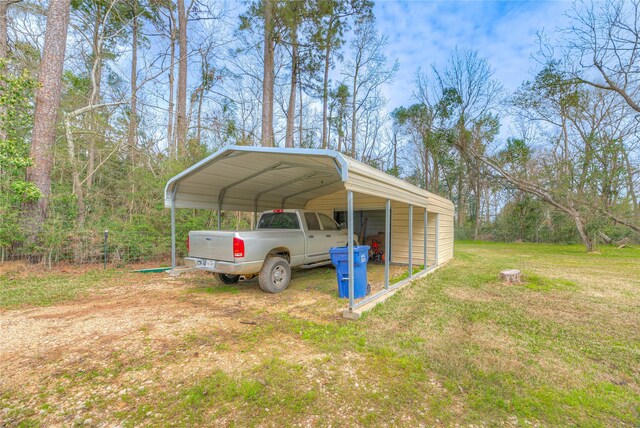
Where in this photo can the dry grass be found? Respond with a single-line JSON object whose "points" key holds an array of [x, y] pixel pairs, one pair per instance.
{"points": [[561, 349]]}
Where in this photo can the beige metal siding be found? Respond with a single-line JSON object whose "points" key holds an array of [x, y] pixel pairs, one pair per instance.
{"points": [[400, 235], [446, 238], [368, 181], [400, 224], [338, 202]]}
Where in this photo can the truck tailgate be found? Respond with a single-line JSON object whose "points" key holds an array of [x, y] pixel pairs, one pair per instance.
{"points": [[213, 245]]}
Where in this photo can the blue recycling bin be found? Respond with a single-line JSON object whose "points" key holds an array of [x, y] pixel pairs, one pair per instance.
{"points": [[340, 259]]}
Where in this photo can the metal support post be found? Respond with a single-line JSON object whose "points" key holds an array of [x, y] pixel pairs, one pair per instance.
{"points": [[387, 233], [410, 241], [219, 212], [426, 230], [350, 245], [106, 238], [173, 227], [437, 238]]}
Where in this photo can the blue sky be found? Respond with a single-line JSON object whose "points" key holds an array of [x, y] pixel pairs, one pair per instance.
{"points": [[422, 33]]}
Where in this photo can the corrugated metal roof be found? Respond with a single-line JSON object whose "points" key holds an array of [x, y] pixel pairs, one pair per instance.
{"points": [[244, 178]]}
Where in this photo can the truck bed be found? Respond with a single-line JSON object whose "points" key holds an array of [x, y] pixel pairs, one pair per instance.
{"points": [[218, 245], [207, 244]]}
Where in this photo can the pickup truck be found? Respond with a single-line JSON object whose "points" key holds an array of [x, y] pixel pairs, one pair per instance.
{"points": [[283, 239]]}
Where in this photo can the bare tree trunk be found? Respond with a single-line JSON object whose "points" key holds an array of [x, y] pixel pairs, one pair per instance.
{"points": [[478, 215], [75, 174], [133, 117], [199, 117], [325, 95], [291, 110], [354, 114], [461, 201], [4, 44], [268, 77], [132, 137], [181, 108], [586, 240], [435, 178], [172, 70], [301, 128], [340, 132], [329, 128], [630, 184], [395, 154], [94, 99], [425, 167], [487, 197], [4, 38], [46, 113]]}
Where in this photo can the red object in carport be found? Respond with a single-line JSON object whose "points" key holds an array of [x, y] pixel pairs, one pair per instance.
{"points": [[376, 254]]}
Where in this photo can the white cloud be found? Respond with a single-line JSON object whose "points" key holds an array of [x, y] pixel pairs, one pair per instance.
{"points": [[422, 33]]}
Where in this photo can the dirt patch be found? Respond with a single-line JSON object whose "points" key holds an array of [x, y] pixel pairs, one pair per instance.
{"points": [[163, 331]]}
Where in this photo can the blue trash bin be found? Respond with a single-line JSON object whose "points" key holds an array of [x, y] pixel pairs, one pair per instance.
{"points": [[341, 262]]}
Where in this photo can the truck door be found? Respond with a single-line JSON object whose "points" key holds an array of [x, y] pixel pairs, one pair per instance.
{"points": [[317, 249], [332, 233]]}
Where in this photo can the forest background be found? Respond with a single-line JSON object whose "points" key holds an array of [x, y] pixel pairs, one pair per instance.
{"points": [[102, 101]]}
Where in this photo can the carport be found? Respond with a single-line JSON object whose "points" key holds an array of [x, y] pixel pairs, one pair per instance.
{"points": [[418, 226]]}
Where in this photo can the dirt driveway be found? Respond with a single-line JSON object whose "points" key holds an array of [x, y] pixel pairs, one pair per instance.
{"points": [[73, 361], [43, 348]]}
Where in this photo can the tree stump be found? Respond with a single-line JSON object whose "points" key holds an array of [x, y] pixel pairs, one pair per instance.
{"points": [[510, 276]]}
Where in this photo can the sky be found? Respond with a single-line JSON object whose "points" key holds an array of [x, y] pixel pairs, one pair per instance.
{"points": [[422, 33]]}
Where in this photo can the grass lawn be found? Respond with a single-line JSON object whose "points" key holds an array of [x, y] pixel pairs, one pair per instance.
{"points": [[457, 347], [48, 289]]}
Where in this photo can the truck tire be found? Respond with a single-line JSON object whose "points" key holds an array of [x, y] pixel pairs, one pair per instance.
{"points": [[227, 279], [275, 275]]}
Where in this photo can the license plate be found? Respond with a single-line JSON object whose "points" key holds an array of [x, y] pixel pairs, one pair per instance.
{"points": [[210, 263]]}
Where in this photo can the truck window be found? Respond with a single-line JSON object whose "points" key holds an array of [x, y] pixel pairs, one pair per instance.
{"points": [[312, 221], [279, 221], [327, 223]]}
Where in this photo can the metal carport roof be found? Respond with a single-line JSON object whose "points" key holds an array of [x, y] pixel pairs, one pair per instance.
{"points": [[244, 178]]}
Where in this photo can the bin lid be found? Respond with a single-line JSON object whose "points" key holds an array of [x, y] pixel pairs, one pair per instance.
{"points": [[356, 249]]}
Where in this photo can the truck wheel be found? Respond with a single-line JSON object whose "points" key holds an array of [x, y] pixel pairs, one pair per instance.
{"points": [[275, 275], [227, 279]]}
